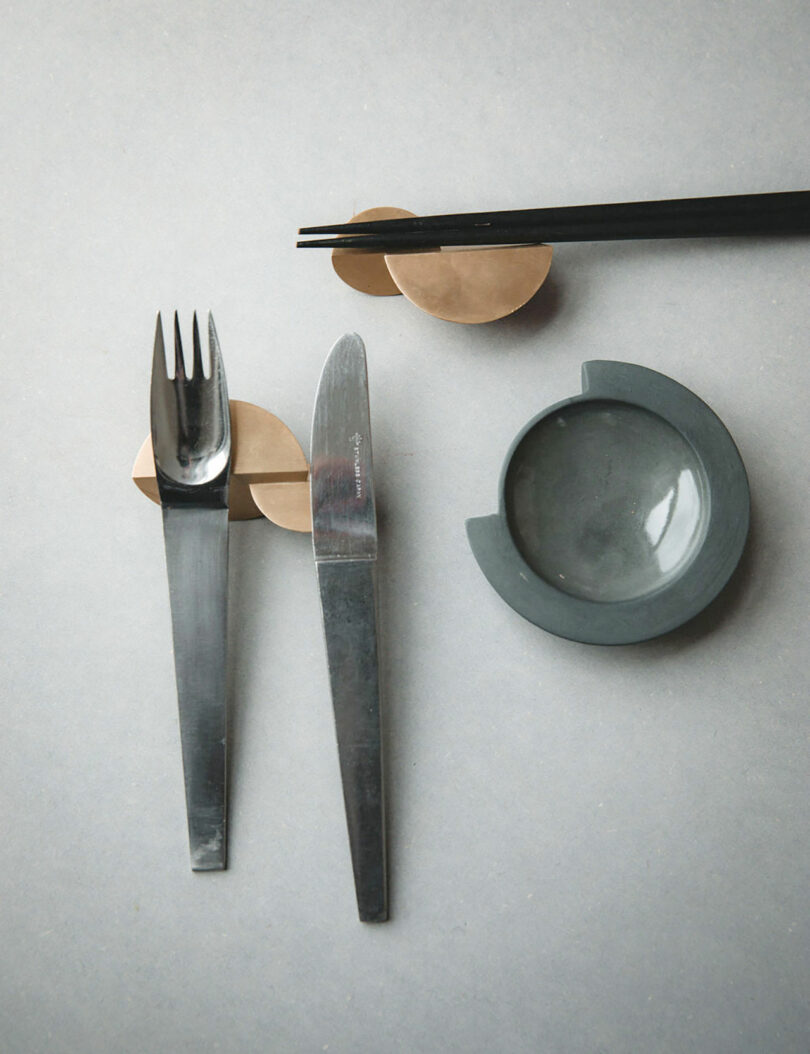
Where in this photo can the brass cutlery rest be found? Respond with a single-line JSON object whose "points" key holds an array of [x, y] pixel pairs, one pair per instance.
{"points": [[269, 472]]}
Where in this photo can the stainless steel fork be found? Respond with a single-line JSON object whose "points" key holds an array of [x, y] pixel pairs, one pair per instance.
{"points": [[191, 438]]}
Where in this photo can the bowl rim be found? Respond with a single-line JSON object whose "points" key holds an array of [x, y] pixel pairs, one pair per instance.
{"points": [[676, 600]]}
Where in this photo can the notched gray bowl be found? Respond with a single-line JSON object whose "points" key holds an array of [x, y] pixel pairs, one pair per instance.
{"points": [[623, 511]]}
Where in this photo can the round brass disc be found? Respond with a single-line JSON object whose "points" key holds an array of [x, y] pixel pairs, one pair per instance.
{"points": [[269, 473], [364, 270], [471, 285]]}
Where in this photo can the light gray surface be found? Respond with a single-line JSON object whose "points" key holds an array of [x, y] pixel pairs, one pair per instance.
{"points": [[592, 850]]}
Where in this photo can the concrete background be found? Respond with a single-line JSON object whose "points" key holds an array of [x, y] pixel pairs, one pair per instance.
{"points": [[591, 850]]}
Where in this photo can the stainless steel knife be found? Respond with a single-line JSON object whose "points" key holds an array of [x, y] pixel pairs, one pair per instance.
{"points": [[344, 537]]}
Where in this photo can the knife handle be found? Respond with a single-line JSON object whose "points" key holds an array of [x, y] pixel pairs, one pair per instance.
{"points": [[348, 603]]}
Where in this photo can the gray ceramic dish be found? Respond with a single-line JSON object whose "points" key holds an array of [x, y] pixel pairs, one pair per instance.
{"points": [[623, 511]]}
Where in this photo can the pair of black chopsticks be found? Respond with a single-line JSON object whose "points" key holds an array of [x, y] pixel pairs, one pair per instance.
{"points": [[739, 214]]}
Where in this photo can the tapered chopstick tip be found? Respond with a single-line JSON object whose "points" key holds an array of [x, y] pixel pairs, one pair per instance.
{"points": [[376, 917]]}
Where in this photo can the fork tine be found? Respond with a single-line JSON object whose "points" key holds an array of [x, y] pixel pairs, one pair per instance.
{"points": [[159, 353], [179, 364], [197, 371], [217, 372], [160, 383]]}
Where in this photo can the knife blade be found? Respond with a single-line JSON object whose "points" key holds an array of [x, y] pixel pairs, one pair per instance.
{"points": [[344, 538]]}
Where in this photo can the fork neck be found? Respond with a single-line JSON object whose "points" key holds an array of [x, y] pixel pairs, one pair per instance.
{"points": [[213, 495]]}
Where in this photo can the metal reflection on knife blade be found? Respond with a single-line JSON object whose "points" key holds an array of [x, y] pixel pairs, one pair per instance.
{"points": [[344, 534]]}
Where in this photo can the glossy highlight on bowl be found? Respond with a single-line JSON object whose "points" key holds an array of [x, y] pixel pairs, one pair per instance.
{"points": [[631, 492]]}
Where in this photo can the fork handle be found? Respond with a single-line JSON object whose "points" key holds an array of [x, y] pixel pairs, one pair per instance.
{"points": [[196, 542]]}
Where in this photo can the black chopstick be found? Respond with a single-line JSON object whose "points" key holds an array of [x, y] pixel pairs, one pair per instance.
{"points": [[729, 215], [789, 221]]}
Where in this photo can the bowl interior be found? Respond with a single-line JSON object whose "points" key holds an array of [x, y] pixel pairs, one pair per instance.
{"points": [[606, 501]]}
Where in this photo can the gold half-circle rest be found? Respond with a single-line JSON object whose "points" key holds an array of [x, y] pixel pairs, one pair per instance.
{"points": [[363, 270], [269, 472], [471, 285]]}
